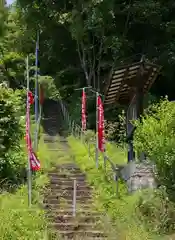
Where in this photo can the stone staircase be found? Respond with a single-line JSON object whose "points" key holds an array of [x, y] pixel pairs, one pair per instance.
{"points": [[58, 198], [59, 204]]}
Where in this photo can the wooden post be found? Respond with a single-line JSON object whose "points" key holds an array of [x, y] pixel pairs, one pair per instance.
{"points": [[139, 106], [139, 90], [74, 197], [140, 94]]}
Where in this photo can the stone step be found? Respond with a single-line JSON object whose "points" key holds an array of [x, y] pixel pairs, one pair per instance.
{"points": [[68, 176], [69, 211], [69, 192], [52, 194], [65, 174], [81, 233], [71, 219], [66, 184], [67, 201], [69, 167], [71, 226], [71, 188], [56, 204], [68, 180], [68, 196]]}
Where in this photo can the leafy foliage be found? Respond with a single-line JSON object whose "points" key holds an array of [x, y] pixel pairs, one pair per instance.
{"points": [[124, 221], [157, 211], [3, 17], [92, 36], [17, 219], [12, 158], [50, 90], [155, 136], [115, 128]]}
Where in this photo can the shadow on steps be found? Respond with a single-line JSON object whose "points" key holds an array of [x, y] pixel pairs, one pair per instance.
{"points": [[52, 120]]}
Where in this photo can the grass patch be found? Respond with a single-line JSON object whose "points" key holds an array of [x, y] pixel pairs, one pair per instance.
{"points": [[116, 153], [17, 220], [121, 209]]}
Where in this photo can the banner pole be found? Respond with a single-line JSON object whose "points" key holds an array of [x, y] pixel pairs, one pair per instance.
{"points": [[36, 92], [27, 136], [97, 94], [83, 107]]}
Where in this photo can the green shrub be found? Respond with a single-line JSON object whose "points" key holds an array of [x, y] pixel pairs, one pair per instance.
{"points": [[50, 90], [89, 136], [18, 221], [124, 222], [115, 128], [12, 158], [155, 135], [157, 211]]}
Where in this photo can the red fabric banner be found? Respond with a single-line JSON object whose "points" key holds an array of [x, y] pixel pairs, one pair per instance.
{"points": [[28, 141], [83, 110], [30, 98], [41, 95], [34, 162], [101, 129]]}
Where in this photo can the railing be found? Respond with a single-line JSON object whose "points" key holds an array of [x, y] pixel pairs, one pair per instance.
{"points": [[71, 125], [89, 143]]}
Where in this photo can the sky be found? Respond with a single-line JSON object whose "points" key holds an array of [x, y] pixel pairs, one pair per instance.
{"points": [[9, 1]]}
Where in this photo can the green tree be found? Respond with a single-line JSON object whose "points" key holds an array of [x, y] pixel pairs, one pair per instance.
{"points": [[12, 158], [3, 16], [155, 135], [92, 36]]}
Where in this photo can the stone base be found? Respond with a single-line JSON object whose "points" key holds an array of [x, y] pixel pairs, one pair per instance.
{"points": [[142, 178], [138, 175]]}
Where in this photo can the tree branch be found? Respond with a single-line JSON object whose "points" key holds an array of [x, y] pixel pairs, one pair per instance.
{"points": [[91, 60], [82, 58], [99, 62]]}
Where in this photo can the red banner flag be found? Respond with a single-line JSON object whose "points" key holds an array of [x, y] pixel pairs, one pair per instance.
{"points": [[30, 98], [28, 141], [83, 110], [101, 133], [41, 95], [34, 162]]}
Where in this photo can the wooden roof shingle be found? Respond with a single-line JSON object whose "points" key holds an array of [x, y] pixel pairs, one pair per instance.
{"points": [[122, 83]]}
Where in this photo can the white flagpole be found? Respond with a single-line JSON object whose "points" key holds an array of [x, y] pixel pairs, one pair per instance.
{"points": [[29, 175]]}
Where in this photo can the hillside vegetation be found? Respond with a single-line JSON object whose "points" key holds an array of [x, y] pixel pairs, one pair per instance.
{"points": [[78, 45], [126, 212]]}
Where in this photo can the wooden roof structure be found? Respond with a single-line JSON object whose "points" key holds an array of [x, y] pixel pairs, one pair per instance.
{"points": [[123, 82]]}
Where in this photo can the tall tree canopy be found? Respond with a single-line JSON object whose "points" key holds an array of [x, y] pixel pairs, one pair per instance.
{"points": [[81, 40], [88, 37]]}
